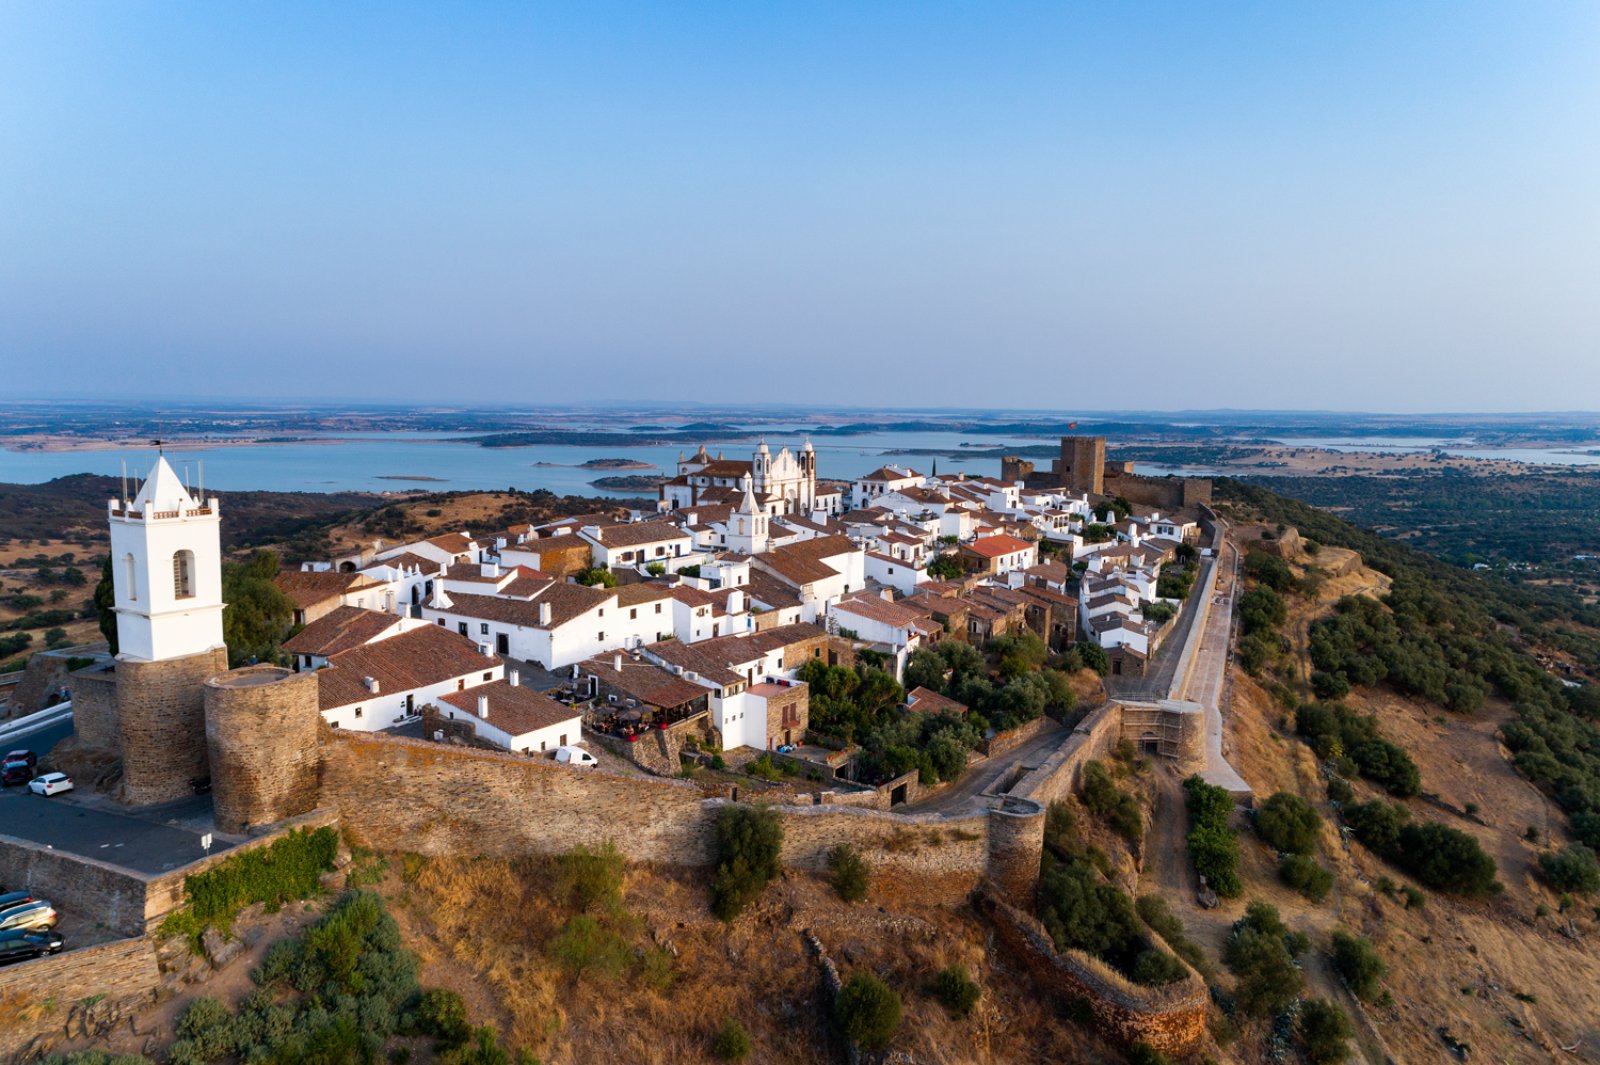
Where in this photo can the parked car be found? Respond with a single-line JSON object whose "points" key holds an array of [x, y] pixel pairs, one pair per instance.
{"points": [[17, 767], [22, 944], [575, 756], [15, 898], [36, 914], [50, 784]]}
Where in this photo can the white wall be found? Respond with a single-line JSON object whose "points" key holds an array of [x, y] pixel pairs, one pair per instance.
{"points": [[379, 710], [152, 623]]}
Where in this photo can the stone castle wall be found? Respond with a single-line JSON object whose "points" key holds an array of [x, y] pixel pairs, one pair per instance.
{"points": [[40, 999], [1057, 776], [1170, 1018], [94, 709], [162, 724], [108, 894], [1161, 493], [263, 733]]}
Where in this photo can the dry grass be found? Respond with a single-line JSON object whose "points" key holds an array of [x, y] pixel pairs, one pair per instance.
{"points": [[482, 927]]}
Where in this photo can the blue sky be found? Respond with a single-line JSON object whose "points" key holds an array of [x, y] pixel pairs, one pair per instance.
{"points": [[1349, 205]]}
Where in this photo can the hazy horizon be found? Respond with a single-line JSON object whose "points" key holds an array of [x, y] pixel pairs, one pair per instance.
{"points": [[1237, 207]]}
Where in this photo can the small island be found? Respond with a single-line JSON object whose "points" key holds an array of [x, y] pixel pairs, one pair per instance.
{"points": [[616, 464], [629, 483]]}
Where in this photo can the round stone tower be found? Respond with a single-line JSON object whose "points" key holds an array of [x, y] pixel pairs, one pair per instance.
{"points": [[1016, 845], [262, 734]]}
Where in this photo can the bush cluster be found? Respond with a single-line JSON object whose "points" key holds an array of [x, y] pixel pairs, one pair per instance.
{"points": [[1443, 858], [1212, 844], [1573, 868], [1083, 911], [867, 1011], [1358, 963], [1352, 742], [1261, 953], [747, 841], [1289, 823], [289, 868], [958, 992], [848, 873], [1104, 799]]}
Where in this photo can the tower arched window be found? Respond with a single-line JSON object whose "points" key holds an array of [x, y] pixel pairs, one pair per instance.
{"points": [[130, 577], [183, 575]]}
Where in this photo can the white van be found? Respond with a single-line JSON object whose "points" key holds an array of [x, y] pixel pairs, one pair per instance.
{"points": [[576, 756]]}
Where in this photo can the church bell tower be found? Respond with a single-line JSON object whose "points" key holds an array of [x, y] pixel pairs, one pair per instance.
{"points": [[166, 565]]}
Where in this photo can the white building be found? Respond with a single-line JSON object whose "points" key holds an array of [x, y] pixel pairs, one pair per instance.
{"points": [[866, 491], [508, 715], [379, 685], [785, 483], [166, 551]]}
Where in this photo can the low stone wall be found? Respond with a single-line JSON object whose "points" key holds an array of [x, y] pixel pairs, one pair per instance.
{"points": [[1170, 1018], [49, 997], [111, 896], [439, 800], [1001, 742], [1057, 776], [164, 892], [922, 859]]}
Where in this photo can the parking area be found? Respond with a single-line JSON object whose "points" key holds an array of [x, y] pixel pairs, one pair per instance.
{"points": [[155, 840]]}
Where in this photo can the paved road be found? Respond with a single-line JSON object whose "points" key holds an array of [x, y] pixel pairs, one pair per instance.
{"points": [[1158, 680], [966, 794], [154, 840]]}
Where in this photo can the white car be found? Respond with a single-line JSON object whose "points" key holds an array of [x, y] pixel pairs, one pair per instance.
{"points": [[575, 756], [50, 784]]}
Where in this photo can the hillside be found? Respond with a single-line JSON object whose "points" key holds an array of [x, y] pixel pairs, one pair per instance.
{"points": [[1511, 973]]}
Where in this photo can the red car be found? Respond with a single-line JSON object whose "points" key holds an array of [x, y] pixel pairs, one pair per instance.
{"points": [[17, 767]]}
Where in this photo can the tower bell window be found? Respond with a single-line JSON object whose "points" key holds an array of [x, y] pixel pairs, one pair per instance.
{"points": [[183, 575]]}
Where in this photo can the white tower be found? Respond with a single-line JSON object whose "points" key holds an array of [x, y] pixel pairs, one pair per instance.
{"points": [[166, 565], [747, 526]]}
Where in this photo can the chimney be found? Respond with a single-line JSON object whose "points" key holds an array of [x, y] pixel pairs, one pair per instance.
{"points": [[371, 683], [490, 569], [616, 663], [483, 707], [483, 649], [544, 613], [513, 678]]}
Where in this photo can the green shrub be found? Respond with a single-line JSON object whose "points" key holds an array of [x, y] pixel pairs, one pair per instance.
{"points": [[1573, 868], [1358, 963], [1447, 859], [1324, 1032], [584, 945], [1212, 844], [867, 1012], [956, 990], [1155, 913], [1145, 1054], [1289, 823], [848, 873], [442, 1016], [1082, 912], [1258, 953], [731, 1043], [1155, 967], [590, 881], [1339, 789], [1302, 873], [290, 868], [748, 841], [205, 1031]]}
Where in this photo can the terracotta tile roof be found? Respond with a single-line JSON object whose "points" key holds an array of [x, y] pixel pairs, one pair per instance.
{"points": [[416, 659], [514, 709], [644, 681], [641, 592], [406, 560], [310, 588], [770, 592], [927, 701], [635, 533], [567, 601], [995, 546], [455, 543], [884, 473], [875, 608], [469, 571], [1055, 572], [723, 468], [340, 629]]}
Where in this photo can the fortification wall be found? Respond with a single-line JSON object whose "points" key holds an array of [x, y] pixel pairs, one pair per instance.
{"points": [[54, 997], [164, 892], [1001, 742], [108, 894], [263, 732], [1057, 776], [922, 859], [1161, 493], [448, 800], [94, 709], [162, 724], [1170, 1018]]}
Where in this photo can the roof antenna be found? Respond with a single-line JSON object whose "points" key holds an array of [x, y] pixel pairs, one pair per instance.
{"points": [[124, 484]]}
